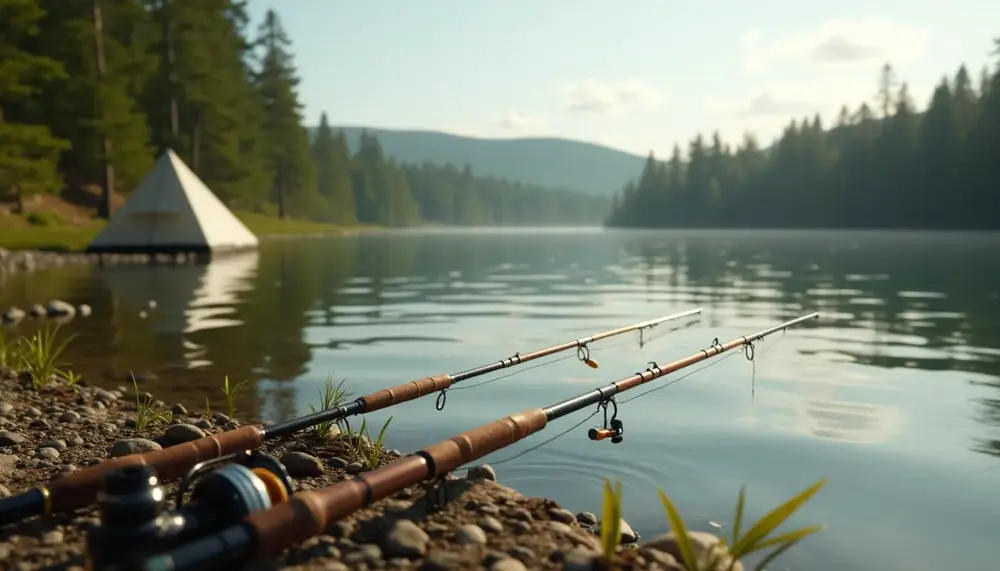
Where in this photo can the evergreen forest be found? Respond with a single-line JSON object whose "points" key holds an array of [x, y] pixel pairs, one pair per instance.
{"points": [[884, 165], [92, 91]]}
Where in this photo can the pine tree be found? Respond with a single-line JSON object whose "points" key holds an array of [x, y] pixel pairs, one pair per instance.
{"points": [[333, 172], [28, 152]]}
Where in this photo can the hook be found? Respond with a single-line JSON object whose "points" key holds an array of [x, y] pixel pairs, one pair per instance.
{"points": [[583, 354]]}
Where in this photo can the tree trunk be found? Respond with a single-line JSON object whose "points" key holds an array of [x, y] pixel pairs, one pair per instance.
{"points": [[169, 57], [105, 208], [196, 141]]}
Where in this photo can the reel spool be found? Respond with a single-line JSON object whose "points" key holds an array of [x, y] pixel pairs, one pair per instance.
{"points": [[134, 521], [612, 428]]}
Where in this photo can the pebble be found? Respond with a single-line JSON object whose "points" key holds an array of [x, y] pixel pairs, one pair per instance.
{"points": [[109, 428], [4, 493], [76, 441], [39, 424], [8, 438], [32, 412], [184, 433], [627, 534], [470, 534], [522, 553], [482, 471], [520, 526], [47, 453], [5, 408], [7, 463], [84, 310], [179, 409], [405, 539], [354, 468], [586, 519], [86, 411], [54, 537], [441, 561], [13, 315], [57, 444], [705, 546], [59, 308], [69, 416], [103, 395], [133, 446], [491, 524], [488, 509], [337, 463], [302, 465], [561, 515], [203, 424], [520, 514], [219, 418], [508, 564]]}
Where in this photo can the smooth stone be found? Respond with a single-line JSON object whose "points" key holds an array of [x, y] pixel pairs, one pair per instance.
{"points": [[561, 515], [5, 408], [354, 468], [4, 493], [204, 424], [522, 553], [183, 433], [406, 539], [558, 527], [8, 438], [59, 308], [84, 310], [54, 537], [39, 424], [579, 560], [482, 471], [507, 564], [302, 465], [470, 534], [337, 463], [13, 315], [7, 463], [586, 518], [627, 534], [441, 561], [133, 446], [38, 310], [706, 547], [179, 409], [661, 558], [69, 416], [57, 444], [103, 395], [491, 524]]}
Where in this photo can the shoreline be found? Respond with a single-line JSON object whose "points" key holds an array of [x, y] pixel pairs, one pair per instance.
{"points": [[56, 429]]}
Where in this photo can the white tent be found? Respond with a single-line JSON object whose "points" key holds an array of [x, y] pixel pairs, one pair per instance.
{"points": [[173, 211]]}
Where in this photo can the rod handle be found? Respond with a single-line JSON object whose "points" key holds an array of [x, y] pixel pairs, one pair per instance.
{"points": [[80, 488], [405, 392]]}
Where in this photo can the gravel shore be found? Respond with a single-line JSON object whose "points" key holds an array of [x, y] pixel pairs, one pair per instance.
{"points": [[53, 430]]}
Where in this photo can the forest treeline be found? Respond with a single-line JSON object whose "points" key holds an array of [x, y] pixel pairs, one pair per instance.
{"points": [[881, 166], [91, 92]]}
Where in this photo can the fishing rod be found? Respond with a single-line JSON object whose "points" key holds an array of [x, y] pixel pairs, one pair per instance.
{"points": [[81, 488], [266, 533]]}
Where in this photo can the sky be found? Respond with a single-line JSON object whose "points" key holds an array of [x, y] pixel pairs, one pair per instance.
{"points": [[637, 75]]}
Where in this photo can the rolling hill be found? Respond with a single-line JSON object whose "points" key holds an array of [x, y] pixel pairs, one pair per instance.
{"points": [[554, 163]]}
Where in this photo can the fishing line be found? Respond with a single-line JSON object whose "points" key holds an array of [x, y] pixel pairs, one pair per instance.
{"points": [[643, 341], [749, 353]]}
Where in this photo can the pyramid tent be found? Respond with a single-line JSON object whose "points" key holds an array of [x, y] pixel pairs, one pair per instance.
{"points": [[173, 211]]}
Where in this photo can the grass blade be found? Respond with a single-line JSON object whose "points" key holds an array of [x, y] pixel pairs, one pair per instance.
{"points": [[771, 521], [677, 525], [791, 536], [774, 555], [611, 517], [738, 518]]}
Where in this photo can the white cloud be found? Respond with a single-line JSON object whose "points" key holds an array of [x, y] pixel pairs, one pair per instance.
{"points": [[835, 42], [514, 122], [609, 98]]}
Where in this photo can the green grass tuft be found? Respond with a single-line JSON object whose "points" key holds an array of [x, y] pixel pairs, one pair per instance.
{"points": [[230, 392], [38, 355], [331, 397]]}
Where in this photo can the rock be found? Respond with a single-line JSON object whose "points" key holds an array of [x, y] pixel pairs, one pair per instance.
{"points": [[302, 465], [76, 441], [86, 411], [520, 526], [354, 468], [4, 493], [8, 438], [627, 534], [488, 509], [405, 539], [54, 537], [84, 310], [586, 519], [183, 433], [579, 560], [6, 408], [37, 310], [521, 553], [39, 424], [59, 308], [337, 463], [470, 534], [69, 416], [7, 463], [203, 423], [507, 564], [179, 409], [561, 515], [665, 560], [13, 315], [441, 561], [482, 471], [710, 554], [219, 418], [491, 524], [105, 396], [133, 446], [558, 527], [57, 444], [520, 514]]}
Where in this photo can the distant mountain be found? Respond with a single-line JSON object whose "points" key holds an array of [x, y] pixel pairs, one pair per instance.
{"points": [[554, 163]]}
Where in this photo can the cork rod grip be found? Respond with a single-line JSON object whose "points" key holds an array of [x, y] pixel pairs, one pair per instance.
{"points": [[80, 488], [479, 442], [406, 392]]}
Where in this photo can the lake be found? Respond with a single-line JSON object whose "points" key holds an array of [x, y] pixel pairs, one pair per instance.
{"points": [[892, 394]]}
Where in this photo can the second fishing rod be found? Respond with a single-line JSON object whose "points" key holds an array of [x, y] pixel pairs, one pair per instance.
{"points": [[80, 488], [268, 532]]}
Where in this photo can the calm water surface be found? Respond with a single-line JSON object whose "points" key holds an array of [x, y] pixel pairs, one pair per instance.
{"points": [[893, 395]]}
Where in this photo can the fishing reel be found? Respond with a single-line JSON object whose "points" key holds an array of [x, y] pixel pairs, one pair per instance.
{"points": [[613, 428], [135, 523]]}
